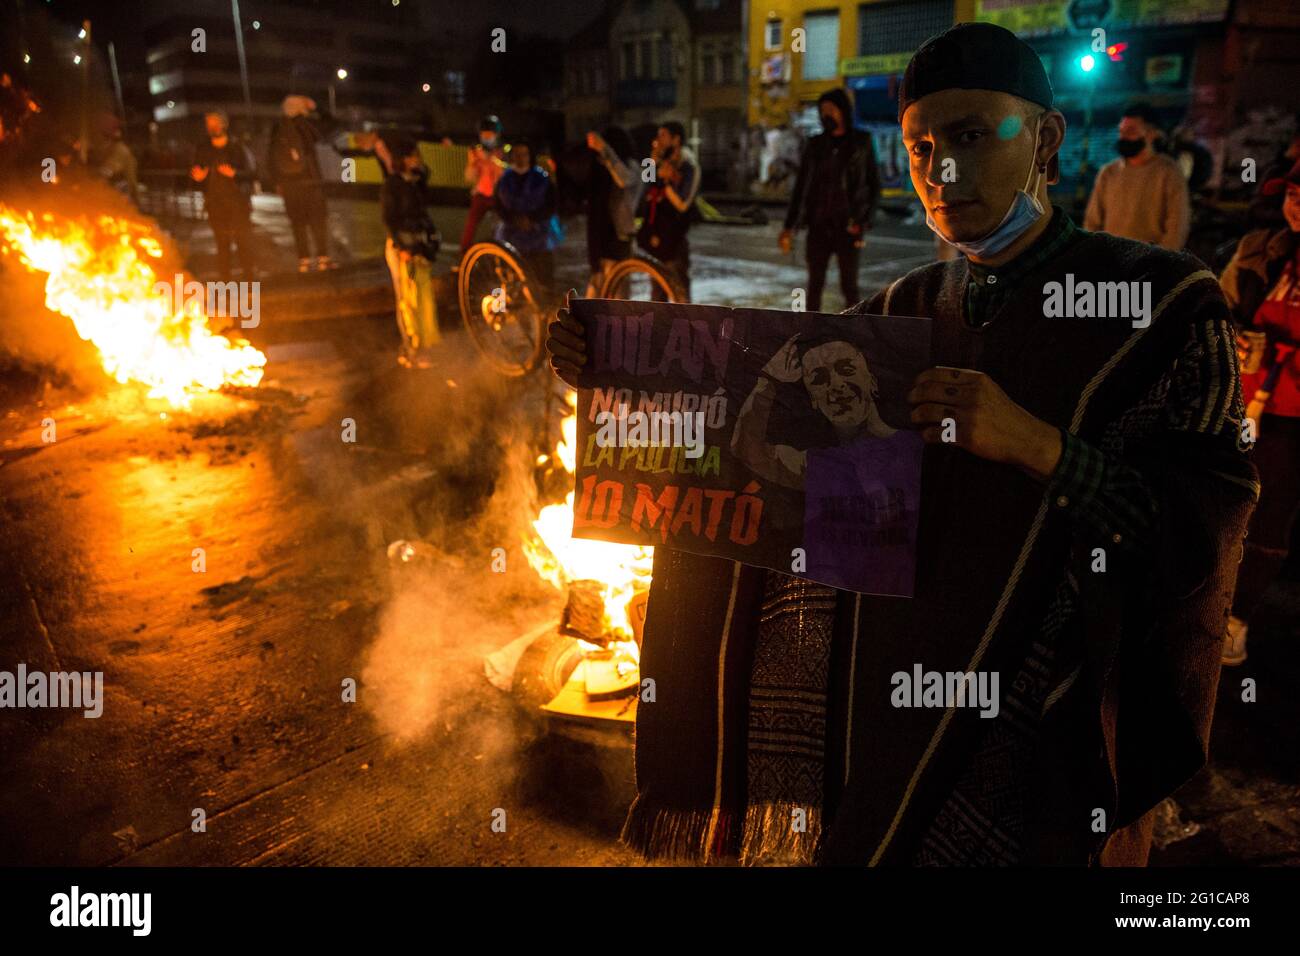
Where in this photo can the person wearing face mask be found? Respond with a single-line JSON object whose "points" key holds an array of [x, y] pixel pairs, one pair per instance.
{"points": [[668, 202], [834, 195], [526, 203], [294, 168], [1085, 489], [483, 168], [223, 170], [411, 247], [1141, 195], [1262, 285]]}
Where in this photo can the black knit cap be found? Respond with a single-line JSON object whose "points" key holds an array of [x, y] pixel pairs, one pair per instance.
{"points": [[975, 56]]}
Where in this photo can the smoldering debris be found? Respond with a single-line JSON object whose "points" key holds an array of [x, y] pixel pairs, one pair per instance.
{"points": [[460, 588]]}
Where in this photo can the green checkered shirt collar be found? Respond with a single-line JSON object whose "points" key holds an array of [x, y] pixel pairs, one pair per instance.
{"points": [[988, 287]]}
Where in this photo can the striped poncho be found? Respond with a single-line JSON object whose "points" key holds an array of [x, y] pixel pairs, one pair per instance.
{"points": [[773, 697]]}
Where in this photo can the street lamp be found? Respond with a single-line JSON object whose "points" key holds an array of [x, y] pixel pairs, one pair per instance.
{"points": [[243, 60], [342, 74], [84, 36], [1087, 63]]}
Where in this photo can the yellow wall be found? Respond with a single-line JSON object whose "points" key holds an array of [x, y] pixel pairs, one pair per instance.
{"points": [[766, 108], [446, 164]]}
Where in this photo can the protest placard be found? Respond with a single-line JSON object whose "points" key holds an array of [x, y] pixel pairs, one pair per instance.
{"points": [[778, 439]]}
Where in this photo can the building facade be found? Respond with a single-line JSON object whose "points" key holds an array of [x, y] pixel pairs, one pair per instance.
{"points": [[1211, 65], [639, 63], [361, 64]]}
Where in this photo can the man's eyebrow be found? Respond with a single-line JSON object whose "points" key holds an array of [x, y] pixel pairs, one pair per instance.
{"points": [[970, 119]]}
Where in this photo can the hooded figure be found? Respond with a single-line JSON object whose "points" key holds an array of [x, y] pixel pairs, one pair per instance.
{"points": [[834, 196]]}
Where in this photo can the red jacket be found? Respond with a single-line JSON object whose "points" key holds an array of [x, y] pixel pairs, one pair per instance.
{"points": [[1262, 284]]}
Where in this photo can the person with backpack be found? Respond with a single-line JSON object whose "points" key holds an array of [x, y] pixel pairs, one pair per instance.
{"points": [[612, 191], [412, 244], [295, 171], [668, 205], [223, 170]]}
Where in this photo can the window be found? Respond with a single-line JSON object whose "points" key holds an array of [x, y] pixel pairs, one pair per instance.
{"points": [[717, 64], [645, 59], [627, 62], [665, 71], [821, 58], [456, 86], [772, 35], [900, 27]]}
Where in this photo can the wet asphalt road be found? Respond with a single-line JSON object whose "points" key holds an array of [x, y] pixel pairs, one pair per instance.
{"points": [[223, 686]]}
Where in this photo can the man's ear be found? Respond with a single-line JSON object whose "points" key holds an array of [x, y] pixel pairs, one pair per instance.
{"points": [[1051, 140]]}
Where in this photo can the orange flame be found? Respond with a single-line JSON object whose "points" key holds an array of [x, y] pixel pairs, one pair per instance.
{"points": [[559, 558], [102, 276]]}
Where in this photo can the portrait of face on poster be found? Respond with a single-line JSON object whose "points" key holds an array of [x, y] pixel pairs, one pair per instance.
{"points": [[777, 439]]}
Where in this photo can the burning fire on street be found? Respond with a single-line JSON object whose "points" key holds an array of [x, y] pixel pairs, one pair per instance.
{"points": [[607, 587], [101, 274]]}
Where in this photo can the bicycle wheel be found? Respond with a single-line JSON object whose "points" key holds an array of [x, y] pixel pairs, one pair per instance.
{"points": [[501, 309], [641, 280]]}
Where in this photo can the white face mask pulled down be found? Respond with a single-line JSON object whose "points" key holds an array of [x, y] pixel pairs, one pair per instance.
{"points": [[1024, 211]]}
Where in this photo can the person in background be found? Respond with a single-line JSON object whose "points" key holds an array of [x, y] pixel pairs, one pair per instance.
{"points": [[526, 202], [667, 204], [483, 168], [222, 169], [1195, 161], [118, 166], [410, 250], [1266, 210], [612, 192], [296, 173], [1262, 286], [834, 195], [1141, 195]]}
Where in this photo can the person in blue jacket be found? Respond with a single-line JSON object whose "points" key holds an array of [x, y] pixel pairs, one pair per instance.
{"points": [[525, 198]]}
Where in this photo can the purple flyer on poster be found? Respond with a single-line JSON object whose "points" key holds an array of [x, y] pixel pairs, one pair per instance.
{"points": [[778, 439]]}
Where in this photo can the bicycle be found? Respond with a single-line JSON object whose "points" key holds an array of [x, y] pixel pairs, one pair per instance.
{"points": [[640, 278], [503, 307]]}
